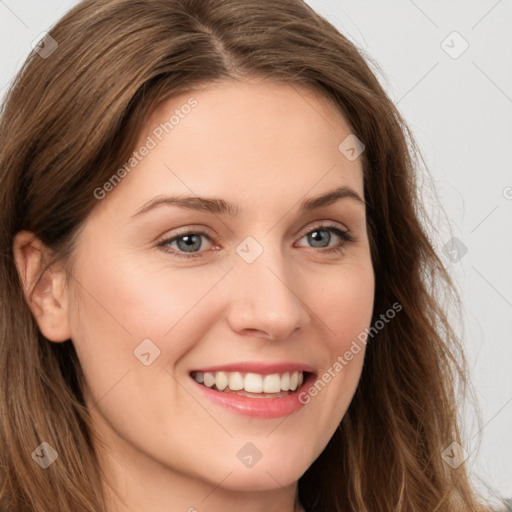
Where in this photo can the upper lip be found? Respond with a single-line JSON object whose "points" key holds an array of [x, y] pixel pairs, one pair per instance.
{"points": [[255, 367]]}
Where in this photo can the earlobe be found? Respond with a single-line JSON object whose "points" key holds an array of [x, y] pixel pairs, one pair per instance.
{"points": [[45, 293]]}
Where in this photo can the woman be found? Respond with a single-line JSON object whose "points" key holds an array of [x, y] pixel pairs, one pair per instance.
{"points": [[217, 291]]}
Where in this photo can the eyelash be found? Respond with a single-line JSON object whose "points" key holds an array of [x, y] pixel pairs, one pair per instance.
{"points": [[345, 235]]}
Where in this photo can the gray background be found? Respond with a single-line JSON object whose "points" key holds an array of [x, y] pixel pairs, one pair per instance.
{"points": [[459, 106]]}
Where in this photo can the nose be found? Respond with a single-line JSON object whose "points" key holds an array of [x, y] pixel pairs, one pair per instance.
{"points": [[265, 299]]}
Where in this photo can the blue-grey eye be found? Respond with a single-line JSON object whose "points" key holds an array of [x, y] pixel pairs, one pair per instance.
{"points": [[189, 242], [319, 238]]}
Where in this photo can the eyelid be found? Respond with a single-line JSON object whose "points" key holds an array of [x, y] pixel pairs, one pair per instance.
{"points": [[325, 224]]}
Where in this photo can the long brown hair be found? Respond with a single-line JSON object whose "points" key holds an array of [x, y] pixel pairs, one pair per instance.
{"points": [[69, 122]]}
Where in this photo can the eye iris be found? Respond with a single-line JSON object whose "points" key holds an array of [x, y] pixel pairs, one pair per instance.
{"points": [[189, 243], [319, 236]]}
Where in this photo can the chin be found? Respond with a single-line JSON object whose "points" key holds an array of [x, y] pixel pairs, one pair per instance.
{"points": [[279, 469], [263, 479]]}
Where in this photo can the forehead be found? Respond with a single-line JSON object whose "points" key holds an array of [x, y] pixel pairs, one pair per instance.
{"points": [[240, 109], [245, 140]]}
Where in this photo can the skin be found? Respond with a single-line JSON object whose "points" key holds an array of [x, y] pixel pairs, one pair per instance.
{"points": [[263, 147]]}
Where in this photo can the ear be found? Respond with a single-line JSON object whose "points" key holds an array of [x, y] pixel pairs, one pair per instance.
{"points": [[46, 295]]}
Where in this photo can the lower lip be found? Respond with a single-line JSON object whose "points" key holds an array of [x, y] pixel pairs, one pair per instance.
{"points": [[257, 407]]}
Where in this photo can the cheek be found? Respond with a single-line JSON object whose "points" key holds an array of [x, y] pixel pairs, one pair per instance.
{"points": [[343, 302], [120, 305], [343, 305]]}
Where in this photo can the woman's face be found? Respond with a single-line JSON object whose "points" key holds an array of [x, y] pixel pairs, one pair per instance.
{"points": [[214, 258]]}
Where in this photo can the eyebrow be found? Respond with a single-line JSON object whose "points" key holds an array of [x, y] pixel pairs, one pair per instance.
{"points": [[220, 206]]}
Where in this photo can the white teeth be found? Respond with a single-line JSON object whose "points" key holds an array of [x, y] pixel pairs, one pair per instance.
{"points": [[272, 383], [221, 380], [293, 381], [209, 379], [236, 381], [285, 382], [251, 382]]}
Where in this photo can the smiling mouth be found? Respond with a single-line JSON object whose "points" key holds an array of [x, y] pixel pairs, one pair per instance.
{"points": [[252, 385]]}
